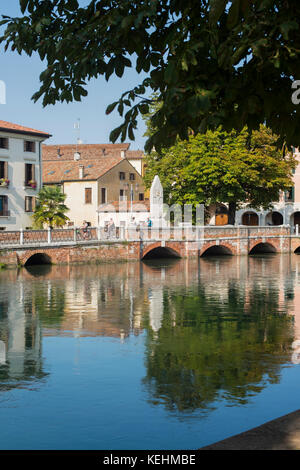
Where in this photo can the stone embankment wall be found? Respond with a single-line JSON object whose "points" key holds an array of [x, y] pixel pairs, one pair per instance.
{"points": [[98, 253]]}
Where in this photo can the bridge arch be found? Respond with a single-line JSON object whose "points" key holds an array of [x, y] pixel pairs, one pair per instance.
{"points": [[216, 250], [262, 247], [38, 258], [155, 250], [297, 250]]}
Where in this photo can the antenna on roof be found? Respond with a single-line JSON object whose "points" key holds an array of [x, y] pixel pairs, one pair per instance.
{"points": [[77, 127], [78, 141]]}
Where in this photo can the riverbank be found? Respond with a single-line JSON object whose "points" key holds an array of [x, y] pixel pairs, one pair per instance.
{"points": [[279, 434]]}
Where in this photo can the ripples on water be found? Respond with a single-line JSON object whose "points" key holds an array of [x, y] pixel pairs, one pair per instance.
{"points": [[161, 354]]}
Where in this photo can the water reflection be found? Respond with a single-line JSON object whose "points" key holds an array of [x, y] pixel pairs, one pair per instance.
{"points": [[213, 329], [20, 339]]}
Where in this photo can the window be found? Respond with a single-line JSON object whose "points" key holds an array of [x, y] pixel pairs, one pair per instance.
{"points": [[122, 195], [131, 176], [122, 175], [29, 146], [103, 195], [29, 174], [88, 195], [289, 195], [3, 170], [141, 197], [29, 203], [4, 212], [3, 143]]}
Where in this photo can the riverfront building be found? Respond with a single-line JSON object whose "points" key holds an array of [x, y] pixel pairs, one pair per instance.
{"points": [[285, 211], [99, 181], [20, 174]]}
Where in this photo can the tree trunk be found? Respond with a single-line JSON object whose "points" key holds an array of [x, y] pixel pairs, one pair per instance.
{"points": [[231, 213]]}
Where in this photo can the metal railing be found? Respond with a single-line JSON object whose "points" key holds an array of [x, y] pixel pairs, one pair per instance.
{"points": [[75, 235]]}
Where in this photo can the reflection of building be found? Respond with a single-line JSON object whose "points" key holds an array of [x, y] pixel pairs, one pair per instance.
{"points": [[156, 308], [2, 352], [20, 337]]}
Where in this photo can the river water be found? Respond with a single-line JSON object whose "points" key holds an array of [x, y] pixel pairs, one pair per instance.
{"points": [[168, 354]]}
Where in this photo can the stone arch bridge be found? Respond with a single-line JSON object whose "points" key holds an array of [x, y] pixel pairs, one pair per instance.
{"points": [[65, 247]]}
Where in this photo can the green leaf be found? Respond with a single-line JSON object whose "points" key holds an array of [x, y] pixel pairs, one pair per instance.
{"points": [[23, 5], [233, 14], [114, 135], [111, 107], [217, 7], [287, 27]]}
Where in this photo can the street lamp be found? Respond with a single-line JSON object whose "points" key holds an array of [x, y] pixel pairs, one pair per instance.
{"points": [[126, 187]]}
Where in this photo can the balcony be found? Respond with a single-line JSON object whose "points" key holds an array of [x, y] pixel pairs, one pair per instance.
{"points": [[4, 183], [30, 184]]}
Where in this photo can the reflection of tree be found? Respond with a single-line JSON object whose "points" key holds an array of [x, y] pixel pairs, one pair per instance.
{"points": [[209, 349], [50, 304]]}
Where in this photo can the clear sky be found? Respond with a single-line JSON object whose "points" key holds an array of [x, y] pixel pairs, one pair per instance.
{"points": [[21, 75]]}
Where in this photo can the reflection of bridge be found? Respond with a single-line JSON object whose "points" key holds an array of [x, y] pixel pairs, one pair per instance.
{"points": [[70, 246]]}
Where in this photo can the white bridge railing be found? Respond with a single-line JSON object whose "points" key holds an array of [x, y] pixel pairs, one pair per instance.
{"points": [[74, 235]]}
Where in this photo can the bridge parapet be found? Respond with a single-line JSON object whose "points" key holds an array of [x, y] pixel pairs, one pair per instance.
{"points": [[73, 235]]}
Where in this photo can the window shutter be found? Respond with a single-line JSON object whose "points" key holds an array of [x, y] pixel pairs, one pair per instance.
{"points": [[33, 172], [88, 195], [103, 195], [5, 204], [6, 170]]}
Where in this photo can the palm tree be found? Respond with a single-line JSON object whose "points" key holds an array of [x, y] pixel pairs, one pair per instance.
{"points": [[50, 208]]}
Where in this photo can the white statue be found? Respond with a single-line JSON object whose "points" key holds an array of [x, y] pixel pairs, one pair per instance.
{"points": [[156, 201]]}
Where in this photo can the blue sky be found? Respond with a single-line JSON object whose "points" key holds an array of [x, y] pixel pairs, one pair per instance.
{"points": [[21, 75]]}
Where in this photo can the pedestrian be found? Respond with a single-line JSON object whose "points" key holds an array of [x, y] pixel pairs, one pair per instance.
{"points": [[85, 232], [111, 229], [132, 228]]}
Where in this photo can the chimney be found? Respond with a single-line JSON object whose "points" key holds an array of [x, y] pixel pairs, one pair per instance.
{"points": [[123, 154], [81, 171]]}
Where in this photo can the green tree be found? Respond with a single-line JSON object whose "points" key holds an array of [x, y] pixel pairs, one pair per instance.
{"points": [[50, 208], [219, 166], [211, 62]]}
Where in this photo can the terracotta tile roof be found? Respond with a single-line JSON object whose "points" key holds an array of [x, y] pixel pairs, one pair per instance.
{"points": [[16, 128], [87, 151], [63, 170], [135, 154], [137, 206]]}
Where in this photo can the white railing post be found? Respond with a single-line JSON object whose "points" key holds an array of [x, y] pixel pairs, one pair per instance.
{"points": [[21, 236], [75, 234], [99, 232], [49, 235], [297, 230]]}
